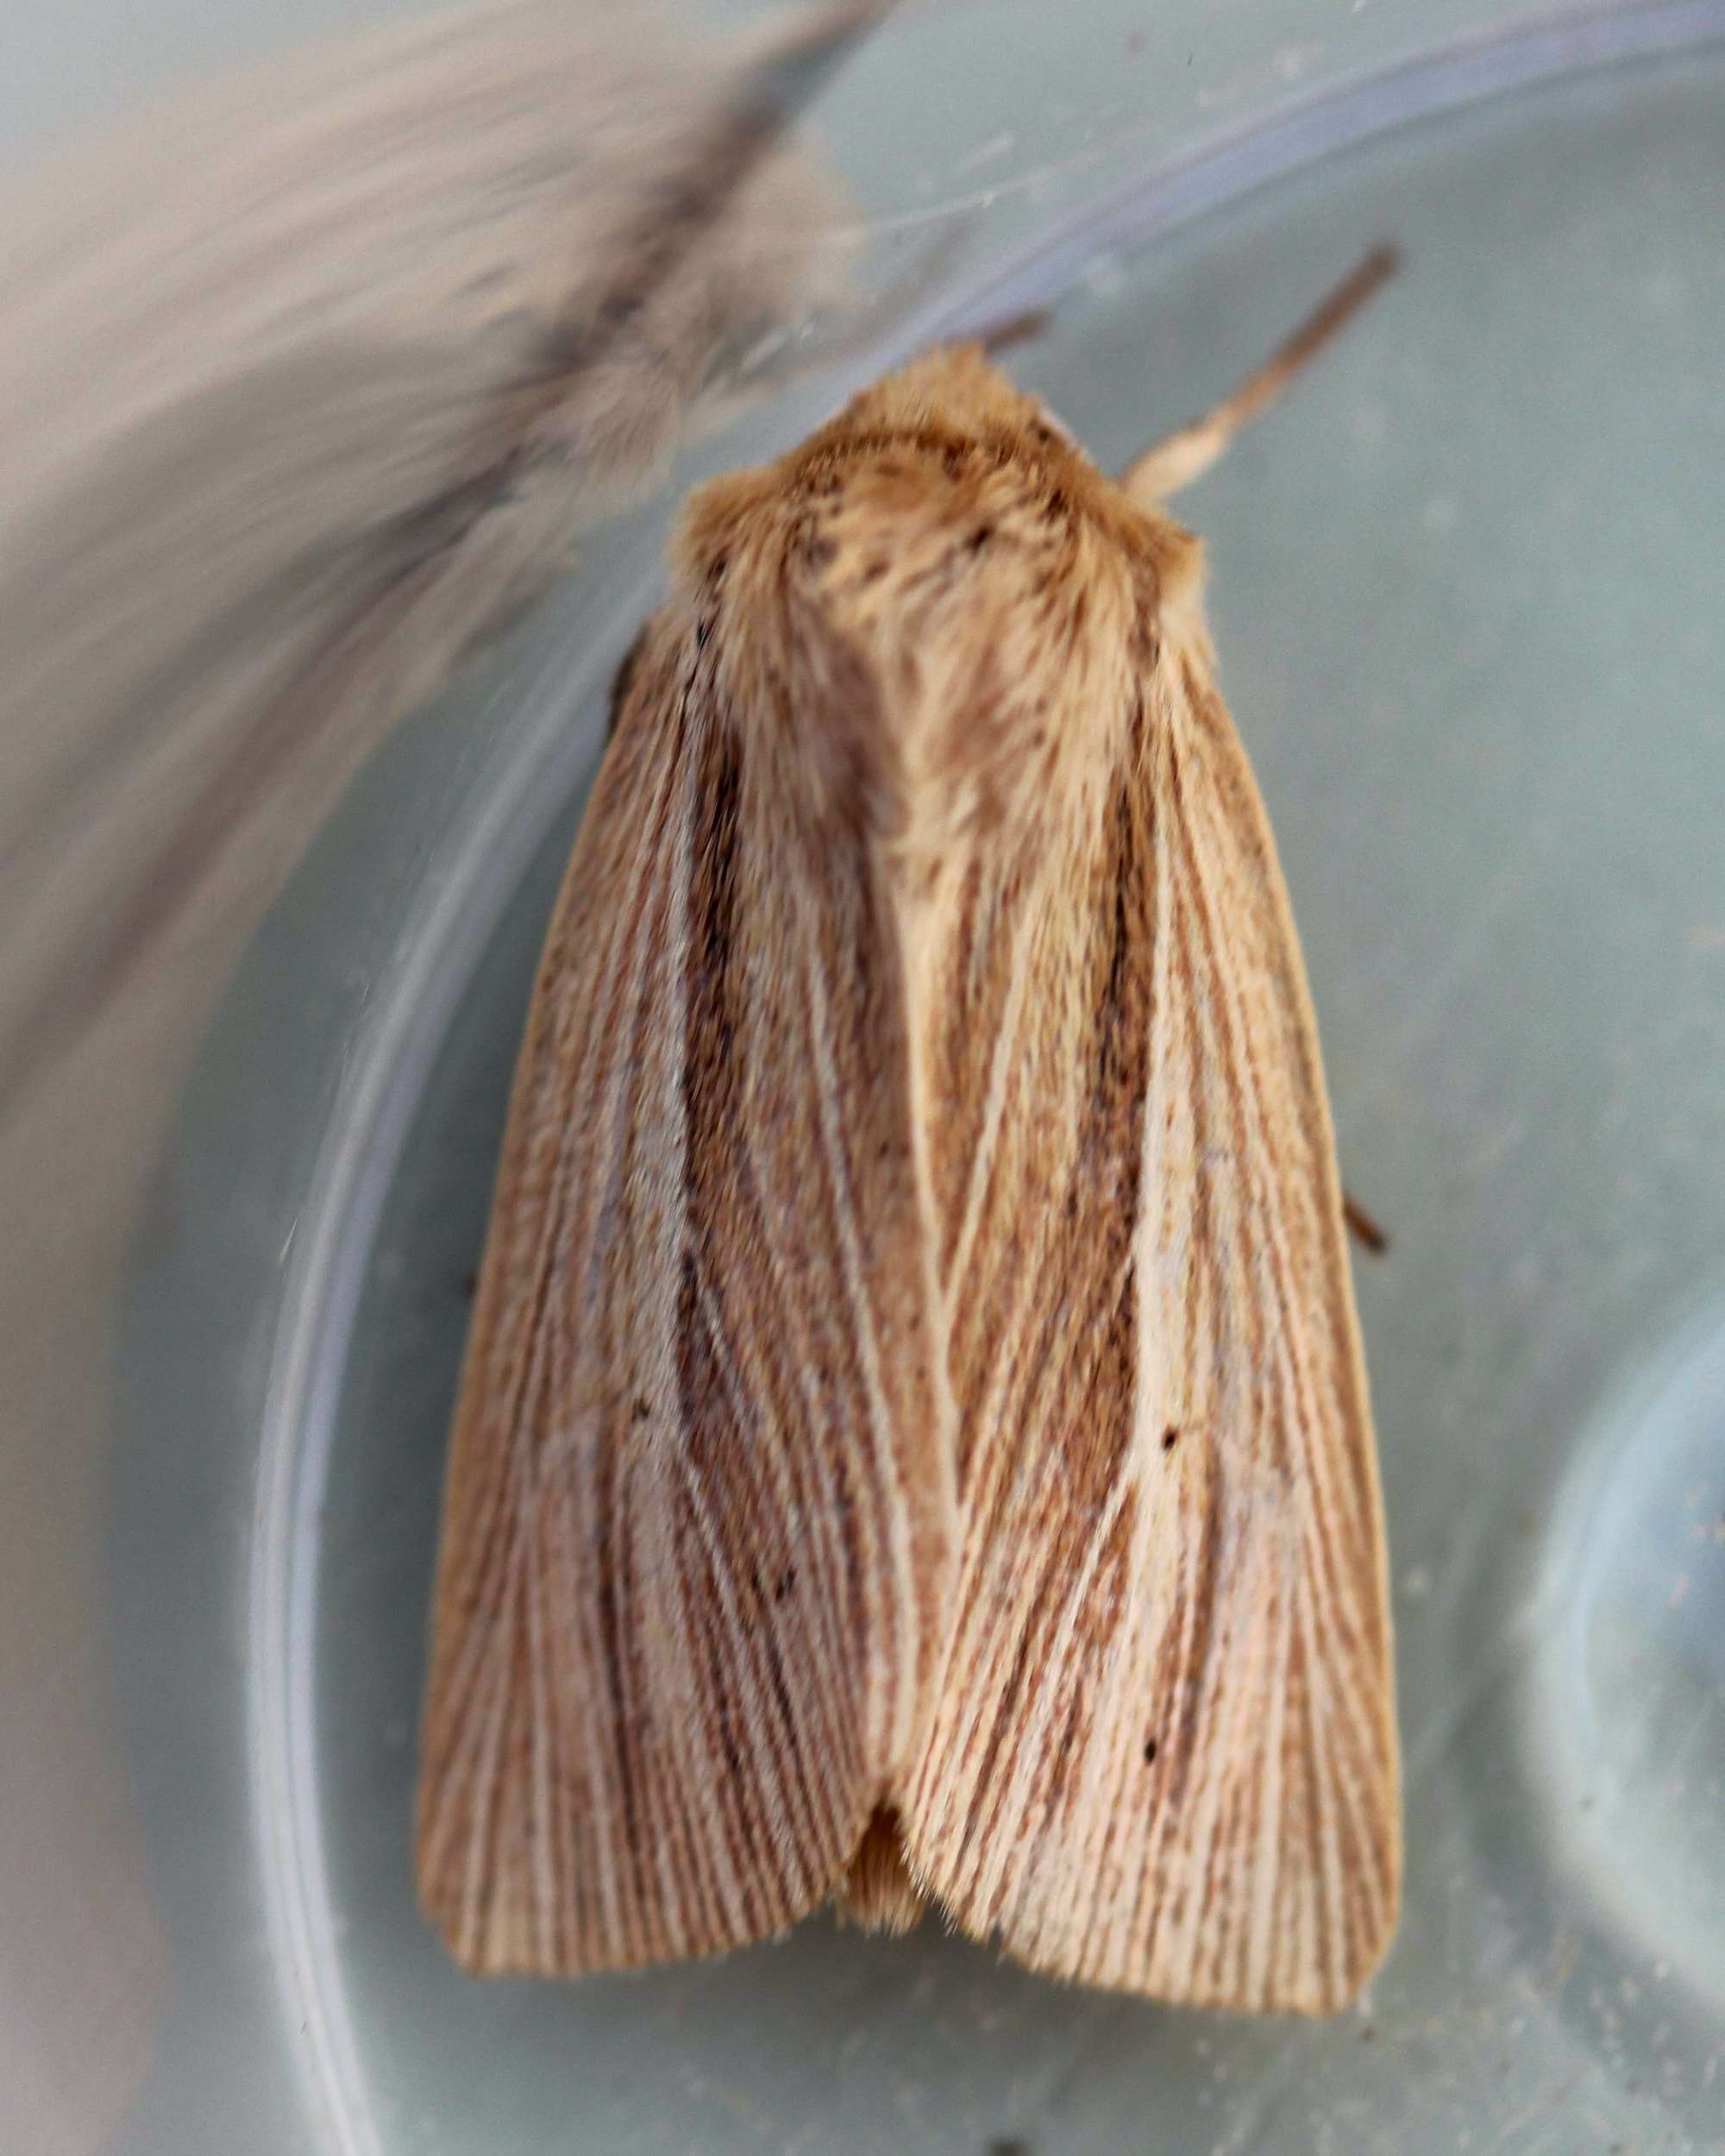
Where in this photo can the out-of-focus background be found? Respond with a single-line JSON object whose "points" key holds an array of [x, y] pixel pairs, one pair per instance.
{"points": [[352, 361]]}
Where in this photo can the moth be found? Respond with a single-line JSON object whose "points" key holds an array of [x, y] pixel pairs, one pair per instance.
{"points": [[913, 1447]]}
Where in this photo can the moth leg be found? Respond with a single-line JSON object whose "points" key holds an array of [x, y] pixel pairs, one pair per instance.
{"points": [[1188, 453], [1365, 1231]]}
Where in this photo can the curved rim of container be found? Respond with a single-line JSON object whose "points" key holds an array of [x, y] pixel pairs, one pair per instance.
{"points": [[1302, 132]]}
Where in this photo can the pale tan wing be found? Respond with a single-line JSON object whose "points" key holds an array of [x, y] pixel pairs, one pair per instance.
{"points": [[1163, 1752], [694, 1527]]}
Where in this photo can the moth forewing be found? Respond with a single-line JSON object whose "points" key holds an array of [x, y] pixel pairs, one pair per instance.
{"points": [[1161, 1755], [915, 1445], [692, 1560]]}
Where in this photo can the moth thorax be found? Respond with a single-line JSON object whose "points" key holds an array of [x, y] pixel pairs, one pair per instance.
{"points": [[966, 626]]}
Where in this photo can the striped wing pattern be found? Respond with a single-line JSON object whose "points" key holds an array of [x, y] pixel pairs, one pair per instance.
{"points": [[1162, 1752], [915, 1443], [691, 1563]]}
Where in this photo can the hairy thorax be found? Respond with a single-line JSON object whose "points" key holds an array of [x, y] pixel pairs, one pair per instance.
{"points": [[942, 603]]}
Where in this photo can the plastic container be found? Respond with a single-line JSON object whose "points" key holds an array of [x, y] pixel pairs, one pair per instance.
{"points": [[1465, 590]]}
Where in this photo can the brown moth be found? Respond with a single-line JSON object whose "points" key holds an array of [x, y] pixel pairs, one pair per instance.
{"points": [[913, 1445]]}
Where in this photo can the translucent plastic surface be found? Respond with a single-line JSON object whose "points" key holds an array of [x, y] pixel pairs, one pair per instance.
{"points": [[1465, 590]]}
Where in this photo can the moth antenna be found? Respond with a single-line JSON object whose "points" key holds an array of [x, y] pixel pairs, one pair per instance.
{"points": [[1014, 328], [1188, 453]]}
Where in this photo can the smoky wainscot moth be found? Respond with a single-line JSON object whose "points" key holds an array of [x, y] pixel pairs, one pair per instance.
{"points": [[913, 1448]]}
